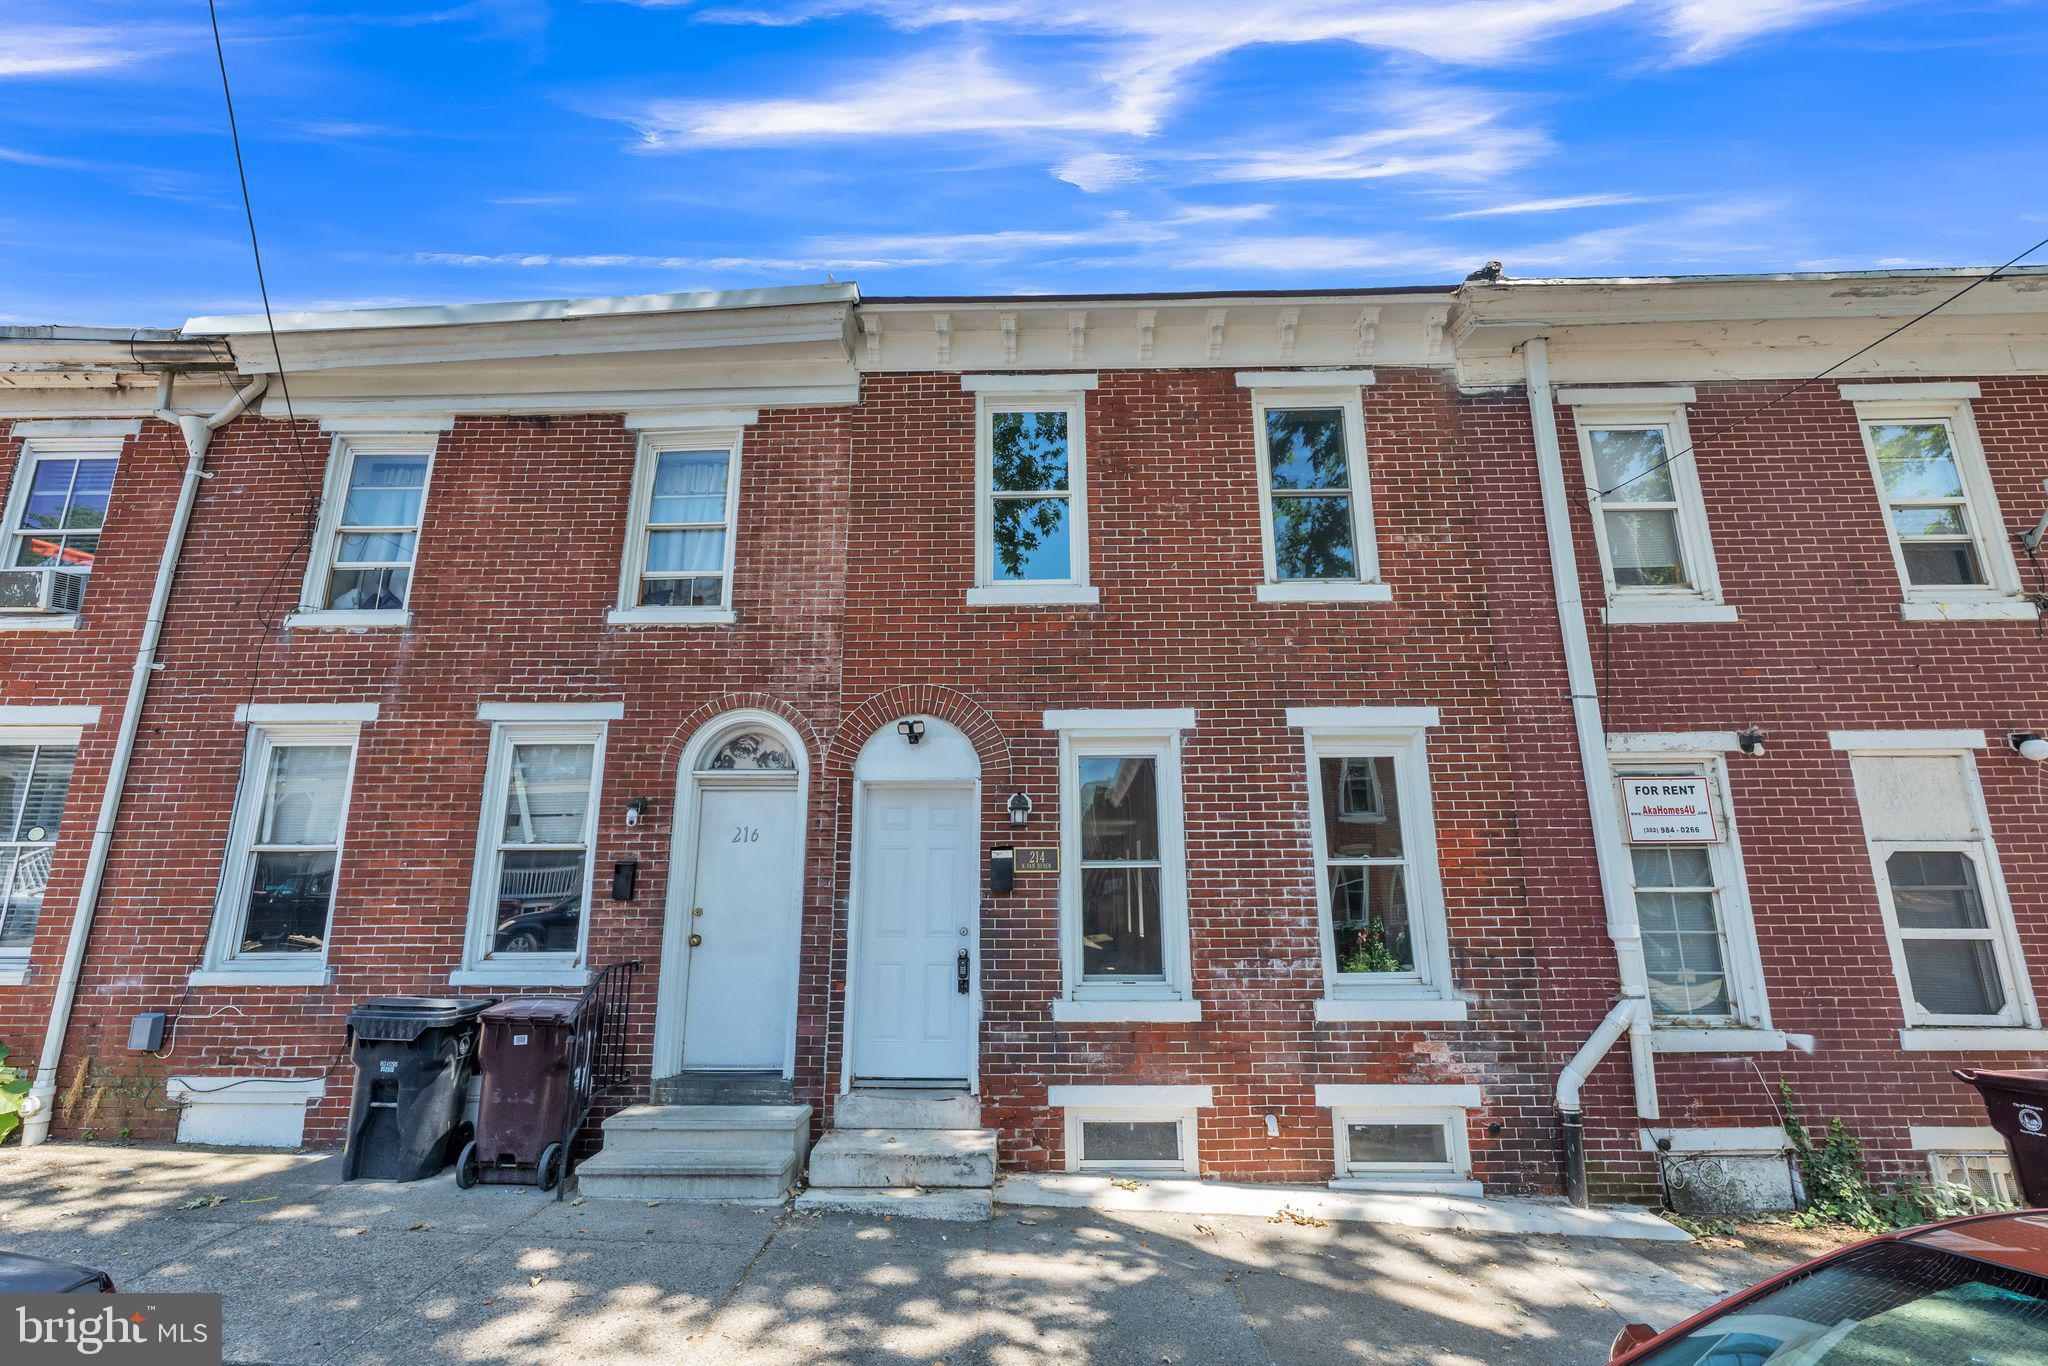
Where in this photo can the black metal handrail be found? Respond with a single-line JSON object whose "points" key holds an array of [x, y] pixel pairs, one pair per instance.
{"points": [[597, 1058]]}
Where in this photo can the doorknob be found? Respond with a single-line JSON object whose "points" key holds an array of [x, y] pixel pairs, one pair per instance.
{"points": [[696, 940], [960, 964]]}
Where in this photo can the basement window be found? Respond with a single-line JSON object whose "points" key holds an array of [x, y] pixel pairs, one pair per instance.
{"points": [[1402, 1137], [1984, 1175], [1143, 1140]]}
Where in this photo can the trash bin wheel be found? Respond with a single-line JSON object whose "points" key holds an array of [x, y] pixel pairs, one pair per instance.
{"points": [[466, 1172], [550, 1172]]}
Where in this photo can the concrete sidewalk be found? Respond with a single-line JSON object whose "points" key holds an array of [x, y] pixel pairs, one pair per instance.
{"points": [[317, 1271]]}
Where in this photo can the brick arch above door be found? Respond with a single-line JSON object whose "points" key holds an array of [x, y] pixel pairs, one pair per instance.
{"points": [[859, 724]]}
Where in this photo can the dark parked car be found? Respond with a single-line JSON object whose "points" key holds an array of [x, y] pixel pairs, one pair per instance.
{"points": [[1972, 1291], [544, 927], [21, 1274]]}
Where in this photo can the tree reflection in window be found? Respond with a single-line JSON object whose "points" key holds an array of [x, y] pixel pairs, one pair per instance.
{"points": [[1030, 496], [1311, 481]]}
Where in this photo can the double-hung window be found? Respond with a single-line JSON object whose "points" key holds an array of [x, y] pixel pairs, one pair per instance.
{"points": [[360, 569], [35, 776], [1031, 490], [1692, 900], [50, 537], [1316, 519], [1123, 877], [680, 538], [1948, 541], [275, 905], [531, 892], [1379, 895], [1649, 516], [1955, 953]]}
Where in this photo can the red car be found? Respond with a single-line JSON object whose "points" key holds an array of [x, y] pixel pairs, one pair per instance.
{"points": [[1971, 1291]]}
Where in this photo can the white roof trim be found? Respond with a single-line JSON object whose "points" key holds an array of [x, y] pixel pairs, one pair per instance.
{"points": [[1026, 384], [690, 419], [31, 715], [531, 310], [1454, 1095], [1363, 718], [1649, 396], [1305, 379], [1881, 741], [1086, 1097], [112, 429], [550, 711], [1909, 393], [307, 713], [1956, 1138], [1109, 718]]}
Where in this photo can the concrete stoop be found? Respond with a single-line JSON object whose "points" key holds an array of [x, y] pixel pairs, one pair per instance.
{"points": [[911, 1154], [698, 1152]]}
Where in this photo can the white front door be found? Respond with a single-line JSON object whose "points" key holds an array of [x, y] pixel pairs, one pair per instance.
{"points": [[741, 964], [918, 907]]}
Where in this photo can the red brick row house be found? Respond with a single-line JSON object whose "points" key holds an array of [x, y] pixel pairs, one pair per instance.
{"points": [[1362, 686]]}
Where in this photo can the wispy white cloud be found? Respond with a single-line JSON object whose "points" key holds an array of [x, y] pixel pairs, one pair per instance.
{"points": [[1707, 28], [1099, 172], [1561, 205], [51, 50], [1446, 134]]}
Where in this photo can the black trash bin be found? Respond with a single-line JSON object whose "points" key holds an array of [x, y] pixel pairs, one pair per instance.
{"points": [[414, 1057], [528, 1052], [2018, 1105]]}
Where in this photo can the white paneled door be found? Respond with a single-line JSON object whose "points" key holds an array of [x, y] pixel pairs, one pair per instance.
{"points": [[743, 926], [916, 918]]}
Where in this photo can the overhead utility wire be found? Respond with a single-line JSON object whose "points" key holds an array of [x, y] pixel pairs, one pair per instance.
{"points": [[1729, 426]]}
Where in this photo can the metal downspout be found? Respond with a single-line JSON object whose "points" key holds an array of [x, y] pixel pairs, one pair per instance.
{"points": [[1617, 884], [38, 1105]]}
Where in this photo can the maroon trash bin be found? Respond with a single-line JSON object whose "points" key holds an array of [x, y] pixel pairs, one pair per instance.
{"points": [[2018, 1105], [526, 1054]]}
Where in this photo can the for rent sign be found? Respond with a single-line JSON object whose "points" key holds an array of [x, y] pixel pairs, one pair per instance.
{"points": [[1668, 808]]}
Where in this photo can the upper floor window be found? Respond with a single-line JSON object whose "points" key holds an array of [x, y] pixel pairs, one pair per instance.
{"points": [[56, 510], [1031, 489], [1941, 516], [1955, 952], [681, 534], [1316, 519], [360, 569], [1649, 517], [1379, 896]]}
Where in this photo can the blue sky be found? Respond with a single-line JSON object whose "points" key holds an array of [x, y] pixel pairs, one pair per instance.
{"points": [[505, 149]]}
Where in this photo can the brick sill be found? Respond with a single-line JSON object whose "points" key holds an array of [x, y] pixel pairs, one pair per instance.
{"points": [[319, 975], [1973, 1039], [50, 621], [13, 974], [1392, 1010], [1127, 1012]]}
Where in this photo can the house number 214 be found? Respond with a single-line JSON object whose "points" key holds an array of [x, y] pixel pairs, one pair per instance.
{"points": [[746, 834]]}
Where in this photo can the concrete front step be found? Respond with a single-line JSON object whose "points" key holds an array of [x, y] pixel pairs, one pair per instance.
{"points": [[688, 1174], [872, 1158], [781, 1129], [885, 1108], [956, 1205]]}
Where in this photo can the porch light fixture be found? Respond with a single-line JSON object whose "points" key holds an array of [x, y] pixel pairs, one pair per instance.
{"points": [[1019, 807], [1752, 742], [2028, 744], [911, 730], [636, 810]]}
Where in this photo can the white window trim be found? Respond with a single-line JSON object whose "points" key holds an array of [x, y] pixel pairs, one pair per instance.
{"points": [[1445, 1106], [1142, 1104], [1036, 394], [479, 966], [1701, 602], [29, 726], [1400, 733], [627, 611], [1955, 1138], [306, 713], [1741, 956], [102, 441], [313, 611], [2001, 598], [1330, 393], [224, 963], [1161, 740], [2019, 1025]]}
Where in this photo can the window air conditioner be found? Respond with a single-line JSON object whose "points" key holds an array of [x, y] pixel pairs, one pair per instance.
{"points": [[41, 590]]}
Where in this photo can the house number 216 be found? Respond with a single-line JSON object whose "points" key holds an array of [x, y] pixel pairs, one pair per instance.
{"points": [[746, 834]]}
